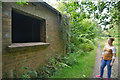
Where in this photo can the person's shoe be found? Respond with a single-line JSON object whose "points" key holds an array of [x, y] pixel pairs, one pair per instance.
{"points": [[108, 79], [98, 76]]}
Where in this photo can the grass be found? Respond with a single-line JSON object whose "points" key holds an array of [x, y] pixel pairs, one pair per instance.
{"points": [[84, 68], [116, 43]]}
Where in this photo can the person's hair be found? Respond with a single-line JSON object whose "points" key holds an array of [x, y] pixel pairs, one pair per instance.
{"points": [[112, 39]]}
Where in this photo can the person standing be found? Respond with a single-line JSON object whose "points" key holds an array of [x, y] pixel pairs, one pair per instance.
{"points": [[107, 58]]}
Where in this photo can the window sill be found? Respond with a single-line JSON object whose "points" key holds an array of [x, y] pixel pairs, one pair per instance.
{"points": [[15, 45]]}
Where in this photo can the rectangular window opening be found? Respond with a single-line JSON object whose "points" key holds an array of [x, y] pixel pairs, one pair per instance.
{"points": [[27, 28]]}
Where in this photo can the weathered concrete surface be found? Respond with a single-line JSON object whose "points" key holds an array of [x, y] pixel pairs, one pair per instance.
{"points": [[31, 57], [0, 41]]}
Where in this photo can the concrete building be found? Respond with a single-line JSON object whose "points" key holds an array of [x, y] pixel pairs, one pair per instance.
{"points": [[29, 34]]}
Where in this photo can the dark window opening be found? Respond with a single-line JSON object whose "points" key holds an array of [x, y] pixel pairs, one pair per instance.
{"points": [[27, 29]]}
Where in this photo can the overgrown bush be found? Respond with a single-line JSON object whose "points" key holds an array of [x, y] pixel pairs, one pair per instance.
{"points": [[53, 65]]}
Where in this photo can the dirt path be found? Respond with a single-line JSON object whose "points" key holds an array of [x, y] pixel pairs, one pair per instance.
{"points": [[114, 72]]}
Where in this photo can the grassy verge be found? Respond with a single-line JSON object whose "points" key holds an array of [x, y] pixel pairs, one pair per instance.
{"points": [[116, 43], [83, 69]]}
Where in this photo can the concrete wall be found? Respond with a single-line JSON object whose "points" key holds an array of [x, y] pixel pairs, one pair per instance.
{"points": [[0, 40], [30, 56]]}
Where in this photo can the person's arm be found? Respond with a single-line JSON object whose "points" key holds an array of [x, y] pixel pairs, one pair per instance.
{"points": [[101, 58], [114, 56]]}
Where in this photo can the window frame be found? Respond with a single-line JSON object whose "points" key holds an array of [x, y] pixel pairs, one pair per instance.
{"points": [[14, 45]]}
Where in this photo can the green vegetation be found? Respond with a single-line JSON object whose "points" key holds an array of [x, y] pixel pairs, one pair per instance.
{"points": [[83, 69], [85, 21], [22, 2], [85, 32]]}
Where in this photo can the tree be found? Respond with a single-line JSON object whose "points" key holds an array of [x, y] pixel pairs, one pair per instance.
{"points": [[81, 14]]}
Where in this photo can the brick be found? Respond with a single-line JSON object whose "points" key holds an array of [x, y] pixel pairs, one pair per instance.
{"points": [[31, 56], [6, 22], [6, 19]]}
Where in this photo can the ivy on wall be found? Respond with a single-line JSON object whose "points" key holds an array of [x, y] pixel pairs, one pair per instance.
{"points": [[22, 2]]}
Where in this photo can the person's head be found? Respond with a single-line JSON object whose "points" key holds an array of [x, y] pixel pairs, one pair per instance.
{"points": [[110, 40]]}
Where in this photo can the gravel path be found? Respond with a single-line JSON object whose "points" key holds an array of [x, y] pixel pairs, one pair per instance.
{"points": [[114, 72]]}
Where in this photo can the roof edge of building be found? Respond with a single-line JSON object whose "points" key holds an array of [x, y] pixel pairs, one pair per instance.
{"points": [[48, 6]]}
